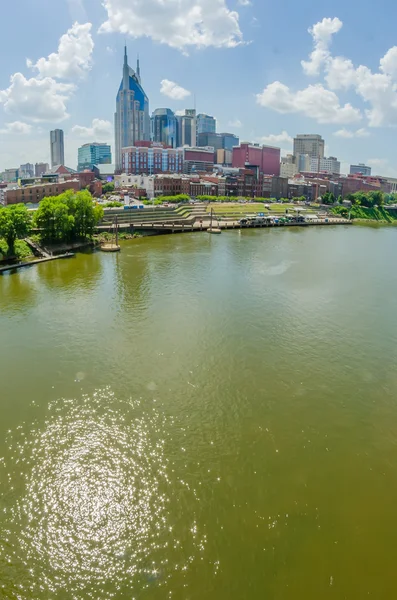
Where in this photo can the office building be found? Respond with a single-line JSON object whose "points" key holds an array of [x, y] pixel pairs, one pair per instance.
{"points": [[164, 127], [40, 169], [57, 148], [11, 175], [288, 166], [262, 159], [303, 163], [187, 128], [325, 165], [311, 144], [198, 159], [224, 157], [26, 170], [205, 124], [150, 159], [361, 169], [131, 120], [219, 141], [93, 154]]}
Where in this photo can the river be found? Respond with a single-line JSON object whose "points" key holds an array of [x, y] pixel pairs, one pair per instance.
{"points": [[202, 417]]}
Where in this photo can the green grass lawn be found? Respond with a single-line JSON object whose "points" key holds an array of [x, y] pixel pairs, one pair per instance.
{"points": [[246, 209]]}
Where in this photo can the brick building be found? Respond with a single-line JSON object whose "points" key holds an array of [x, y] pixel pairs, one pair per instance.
{"points": [[261, 159], [35, 193], [151, 159]]}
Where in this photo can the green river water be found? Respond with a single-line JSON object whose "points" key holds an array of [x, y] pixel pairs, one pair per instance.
{"points": [[202, 417]]}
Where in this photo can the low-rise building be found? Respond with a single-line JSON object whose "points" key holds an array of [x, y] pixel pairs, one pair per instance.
{"points": [[35, 193], [198, 159]]}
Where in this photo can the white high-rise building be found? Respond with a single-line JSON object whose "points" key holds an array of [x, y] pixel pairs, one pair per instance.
{"points": [[325, 165]]}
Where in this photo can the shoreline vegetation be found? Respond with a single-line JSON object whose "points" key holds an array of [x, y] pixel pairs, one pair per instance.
{"points": [[69, 221]]}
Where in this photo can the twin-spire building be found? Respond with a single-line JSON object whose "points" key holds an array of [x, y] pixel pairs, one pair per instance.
{"points": [[131, 120]]}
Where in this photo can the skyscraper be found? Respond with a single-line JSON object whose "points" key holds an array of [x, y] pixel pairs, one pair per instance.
{"points": [[188, 128], [205, 124], [131, 120], [311, 144], [164, 127], [93, 154], [57, 148]]}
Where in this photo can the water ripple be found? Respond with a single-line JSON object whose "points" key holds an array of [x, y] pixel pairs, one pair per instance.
{"points": [[93, 513]]}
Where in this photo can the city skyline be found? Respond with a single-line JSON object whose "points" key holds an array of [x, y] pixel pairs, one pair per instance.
{"points": [[70, 84]]}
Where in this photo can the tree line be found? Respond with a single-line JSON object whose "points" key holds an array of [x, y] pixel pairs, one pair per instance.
{"points": [[64, 218]]}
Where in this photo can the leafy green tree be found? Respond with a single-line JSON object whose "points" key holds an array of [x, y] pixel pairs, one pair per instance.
{"points": [[53, 219], [15, 223], [340, 200], [71, 215], [108, 187]]}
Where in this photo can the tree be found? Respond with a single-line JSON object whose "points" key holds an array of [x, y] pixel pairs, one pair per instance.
{"points": [[71, 215], [108, 187], [53, 219], [340, 200], [15, 223]]}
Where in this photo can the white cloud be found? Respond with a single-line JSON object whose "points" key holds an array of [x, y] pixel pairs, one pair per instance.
{"points": [[347, 134], [37, 100], [244, 2], [235, 123], [314, 101], [388, 64], [99, 130], [74, 56], [378, 90], [280, 138], [321, 33], [17, 128], [173, 90], [177, 23]]}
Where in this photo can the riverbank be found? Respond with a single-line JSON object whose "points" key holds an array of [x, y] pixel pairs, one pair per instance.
{"points": [[375, 214]]}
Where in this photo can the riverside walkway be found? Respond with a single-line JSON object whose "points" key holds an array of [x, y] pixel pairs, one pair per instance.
{"points": [[181, 227]]}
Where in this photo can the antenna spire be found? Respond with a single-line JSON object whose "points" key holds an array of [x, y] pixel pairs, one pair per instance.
{"points": [[138, 68]]}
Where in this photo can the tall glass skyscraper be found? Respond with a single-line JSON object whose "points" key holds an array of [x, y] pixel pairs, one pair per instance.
{"points": [[205, 124], [93, 154], [131, 120], [164, 127]]}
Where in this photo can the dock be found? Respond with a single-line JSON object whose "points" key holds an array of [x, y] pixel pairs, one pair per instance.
{"points": [[38, 261]]}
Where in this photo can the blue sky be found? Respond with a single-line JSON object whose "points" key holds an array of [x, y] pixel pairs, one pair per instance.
{"points": [[267, 71]]}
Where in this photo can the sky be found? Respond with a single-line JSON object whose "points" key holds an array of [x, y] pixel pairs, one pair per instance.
{"points": [[266, 70]]}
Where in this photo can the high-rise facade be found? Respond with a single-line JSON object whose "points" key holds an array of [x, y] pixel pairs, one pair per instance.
{"points": [[311, 144], [40, 169], [164, 127], [219, 141], [361, 169], [93, 154], [325, 165], [188, 128], [57, 148], [26, 170], [131, 120], [205, 124]]}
